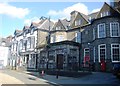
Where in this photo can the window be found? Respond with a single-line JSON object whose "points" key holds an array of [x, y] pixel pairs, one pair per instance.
{"points": [[101, 31], [86, 52], [114, 29], [115, 52], [102, 52], [3, 43], [28, 42], [86, 57], [58, 28], [24, 44], [105, 14], [15, 47], [93, 33], [101, 14], [86, 32], [20, 45], [60, 38], [52, 39], [32, 42], [78, 37], [77, 22]]}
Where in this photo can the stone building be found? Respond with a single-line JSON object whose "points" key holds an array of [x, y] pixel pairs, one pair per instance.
{"points": [[103, 42]]}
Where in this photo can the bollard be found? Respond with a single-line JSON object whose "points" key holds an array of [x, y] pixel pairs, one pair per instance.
{"points": [[42, 73]]}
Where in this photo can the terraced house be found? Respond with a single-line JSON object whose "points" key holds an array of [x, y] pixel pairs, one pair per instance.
{"points": [[24, 45], [82, 43]]}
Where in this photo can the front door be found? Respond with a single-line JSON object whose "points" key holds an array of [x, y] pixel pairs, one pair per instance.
{"points": [[59, 62]]}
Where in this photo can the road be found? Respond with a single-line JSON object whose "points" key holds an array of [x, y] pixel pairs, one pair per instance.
{"points": [[97, 78]]}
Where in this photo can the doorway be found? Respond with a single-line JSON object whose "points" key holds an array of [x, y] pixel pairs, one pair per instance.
{"points": [[59, 61]]}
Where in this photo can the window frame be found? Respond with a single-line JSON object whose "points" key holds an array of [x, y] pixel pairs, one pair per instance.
{"points": [[32, 42], [112, 51], [99, 30], [105, 13], [20, 45], [77, 22], [85, 51], [111, 28], [60, 38], [29, 38], [58, 27], [52, 39], [78, 37], [99, 51]]}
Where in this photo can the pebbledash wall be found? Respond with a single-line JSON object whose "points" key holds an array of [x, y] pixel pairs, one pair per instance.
{"points": [[94, 42]]}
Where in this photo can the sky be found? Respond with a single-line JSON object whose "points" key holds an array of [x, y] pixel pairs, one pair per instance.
{"points": [[14, 15]]}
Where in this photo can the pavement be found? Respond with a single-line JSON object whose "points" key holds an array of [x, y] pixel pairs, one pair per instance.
{"points": [[25, 78], [7, 79]]}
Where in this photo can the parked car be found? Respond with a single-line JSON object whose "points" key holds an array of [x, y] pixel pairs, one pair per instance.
{"points": [[116, 69]]}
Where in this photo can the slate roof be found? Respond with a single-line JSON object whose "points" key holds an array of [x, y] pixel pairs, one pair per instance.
{"points": [[65, 23], [85, 16], [93, 15], [45, 24], [6, 41]]}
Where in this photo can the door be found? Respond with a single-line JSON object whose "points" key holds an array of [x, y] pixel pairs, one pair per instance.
{"points": [[59, 61]]}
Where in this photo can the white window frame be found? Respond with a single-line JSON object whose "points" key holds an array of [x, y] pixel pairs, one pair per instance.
{"points": [[101, 14], [60, 38], [85, 51], [52, 39], [106, 13], [23, 46], [29, 43], [20, 45], [58, 28], [77, 22], [99, 51], [32, 42], [112, 51], [78, 37], [99, 30], [111, 29]]}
